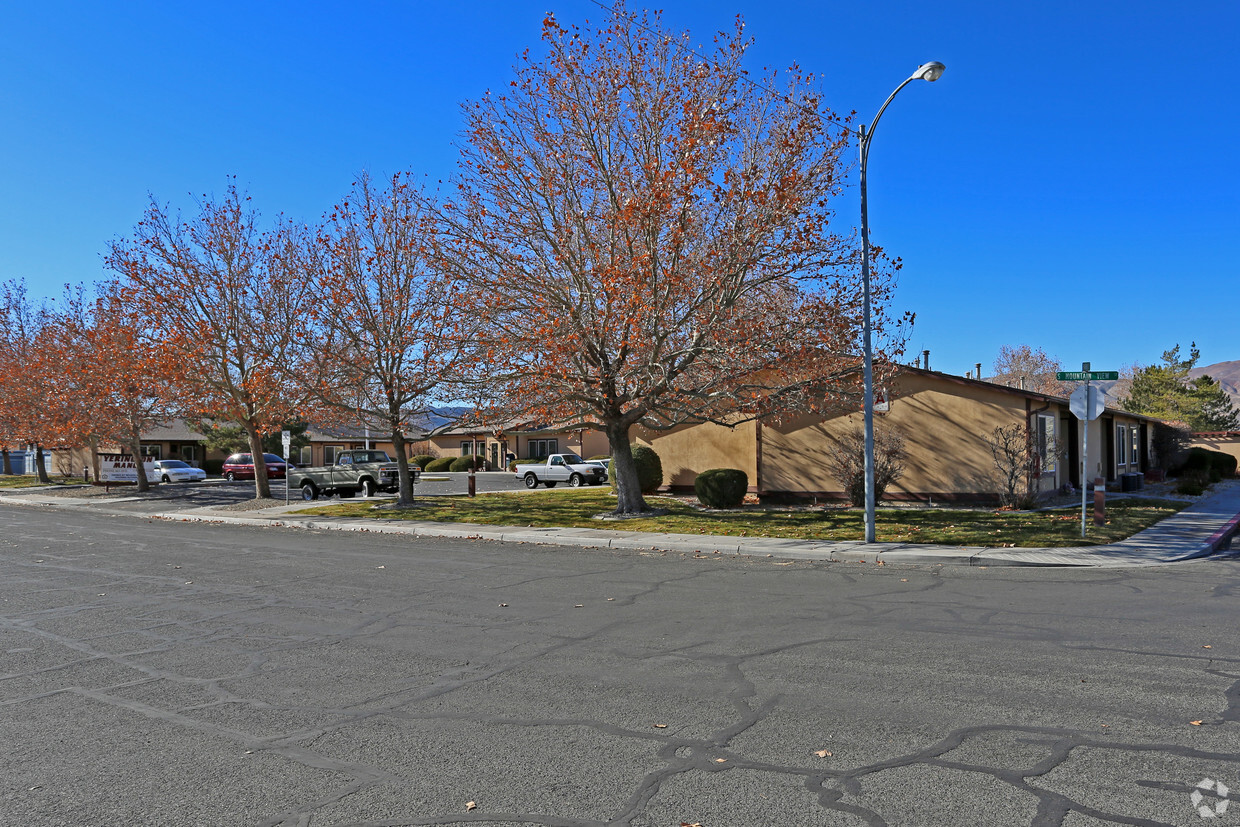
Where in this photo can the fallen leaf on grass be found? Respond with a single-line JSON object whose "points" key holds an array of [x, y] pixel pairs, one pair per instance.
{"points": [[1207, 646], [823, 753], [721, 760], [1196, 723], [660, 726], [470, 805]]}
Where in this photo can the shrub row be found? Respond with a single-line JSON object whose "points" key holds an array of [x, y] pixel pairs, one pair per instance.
{"points": [[1215, 464]]}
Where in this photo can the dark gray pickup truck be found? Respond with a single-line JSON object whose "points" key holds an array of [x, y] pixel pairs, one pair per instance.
{"points": [[354, 471]]}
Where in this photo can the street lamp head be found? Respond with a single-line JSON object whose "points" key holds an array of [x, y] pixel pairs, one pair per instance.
{"points": [[931, 71]]}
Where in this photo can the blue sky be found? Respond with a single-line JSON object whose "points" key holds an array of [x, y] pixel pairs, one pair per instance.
{"points": [[1071, 182]]}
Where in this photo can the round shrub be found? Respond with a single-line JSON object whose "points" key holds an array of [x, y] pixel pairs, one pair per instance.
{"points": [[721, 487], [649, 469], [466, 462], [421, 460], [440, 464]]}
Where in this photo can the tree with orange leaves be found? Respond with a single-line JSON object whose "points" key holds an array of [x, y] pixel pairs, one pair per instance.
{"points": [[36, 399], [121, 385], [654, 233], [226, 298], [387, 332]]}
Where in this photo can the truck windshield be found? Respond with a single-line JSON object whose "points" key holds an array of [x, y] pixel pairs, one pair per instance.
{"points": [[572, 459], [370, 456]]}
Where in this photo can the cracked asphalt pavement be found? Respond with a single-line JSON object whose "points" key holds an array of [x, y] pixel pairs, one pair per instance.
{"points": [[156, 673]]}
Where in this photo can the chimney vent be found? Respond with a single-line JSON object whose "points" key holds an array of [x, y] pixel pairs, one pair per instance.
{"points": [[925, 355]]}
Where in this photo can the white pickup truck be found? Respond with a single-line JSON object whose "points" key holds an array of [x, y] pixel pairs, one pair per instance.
{"points": [[558, 468]]}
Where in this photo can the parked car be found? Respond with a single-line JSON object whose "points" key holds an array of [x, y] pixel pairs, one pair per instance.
{"points": [[559, 468], [366, 471], [605, 464], [241, 467], [174, 470]]}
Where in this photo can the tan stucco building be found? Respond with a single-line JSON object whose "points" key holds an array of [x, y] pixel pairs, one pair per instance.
{"points": [[945, 421]]}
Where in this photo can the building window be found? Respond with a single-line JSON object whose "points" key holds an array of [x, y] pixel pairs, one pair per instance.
{"points": [[1121, 444], [472, 446], [543, 447], [329, 453], [305, 455], [1135, 457], [1048, 448], [189, 453]]}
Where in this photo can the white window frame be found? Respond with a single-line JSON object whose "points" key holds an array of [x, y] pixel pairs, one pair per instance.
{"points": [[1121, 445], [1047, 425]]}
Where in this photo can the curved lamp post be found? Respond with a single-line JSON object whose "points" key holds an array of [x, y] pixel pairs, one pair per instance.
{"points": [[929, 71]]}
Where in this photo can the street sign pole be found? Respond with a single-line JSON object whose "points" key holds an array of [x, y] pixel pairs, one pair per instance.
{"points": [[1084, 447], [1087, 405], [287, 438]]}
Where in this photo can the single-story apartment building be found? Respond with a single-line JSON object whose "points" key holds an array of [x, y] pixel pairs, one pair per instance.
{"points": [[945, 421], [522, 439]]}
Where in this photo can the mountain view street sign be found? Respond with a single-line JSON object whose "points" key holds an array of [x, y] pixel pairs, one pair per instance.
{"points": [[1086, 376]]}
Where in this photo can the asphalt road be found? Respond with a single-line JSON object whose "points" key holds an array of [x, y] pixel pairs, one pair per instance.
{"points": [[160, 673], [215, 493]]}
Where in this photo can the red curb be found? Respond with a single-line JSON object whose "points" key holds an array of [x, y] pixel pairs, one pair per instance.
{"points": [[1220, 537]]}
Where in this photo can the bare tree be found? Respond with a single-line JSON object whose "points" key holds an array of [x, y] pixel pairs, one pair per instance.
{"points": [[653, 235], [389, 331], [847, 462], [1029, 369], [225, 299]]}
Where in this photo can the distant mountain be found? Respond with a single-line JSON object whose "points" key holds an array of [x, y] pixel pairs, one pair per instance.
{"points": [[441, 415], [1227, 374]]}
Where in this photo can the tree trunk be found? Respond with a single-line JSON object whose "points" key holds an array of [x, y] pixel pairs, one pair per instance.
{"points": [[94, 458], [405, 497], [262, 486], [629, 498], [135, 448], [8, 461], [41, 466]]}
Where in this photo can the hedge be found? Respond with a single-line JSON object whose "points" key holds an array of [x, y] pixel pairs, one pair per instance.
{"points": [[421, 460], [440, 464], [466, 462]]}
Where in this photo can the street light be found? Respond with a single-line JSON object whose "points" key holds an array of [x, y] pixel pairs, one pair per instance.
{"points": [[928, 71]]}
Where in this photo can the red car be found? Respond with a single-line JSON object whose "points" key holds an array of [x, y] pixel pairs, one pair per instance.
{"points": [[241, 467]]}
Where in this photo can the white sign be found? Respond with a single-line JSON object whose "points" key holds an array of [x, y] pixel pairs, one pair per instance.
{"points": [[122, 468], [881, 403], [1087, 408]]}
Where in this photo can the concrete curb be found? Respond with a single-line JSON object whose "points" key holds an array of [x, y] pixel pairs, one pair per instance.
{"points": [[1175, 539]]}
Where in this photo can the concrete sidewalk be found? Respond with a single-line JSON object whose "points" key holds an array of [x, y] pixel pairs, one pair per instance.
{"points": [[1203, 529]]}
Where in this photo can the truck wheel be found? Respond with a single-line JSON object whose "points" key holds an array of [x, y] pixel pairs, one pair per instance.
{"points": [[368, 488], [549, 484], [531, 481], [309, 492], [575, 481]]}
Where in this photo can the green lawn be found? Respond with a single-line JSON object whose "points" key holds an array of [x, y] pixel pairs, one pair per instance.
{"points": [[31, 481], [947, 526]]}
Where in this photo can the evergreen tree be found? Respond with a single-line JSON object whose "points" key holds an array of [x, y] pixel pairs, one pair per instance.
{"points": [[1166, 391]]}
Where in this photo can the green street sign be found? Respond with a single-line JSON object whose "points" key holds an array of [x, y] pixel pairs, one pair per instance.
{"points": [[1083, 376]]}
